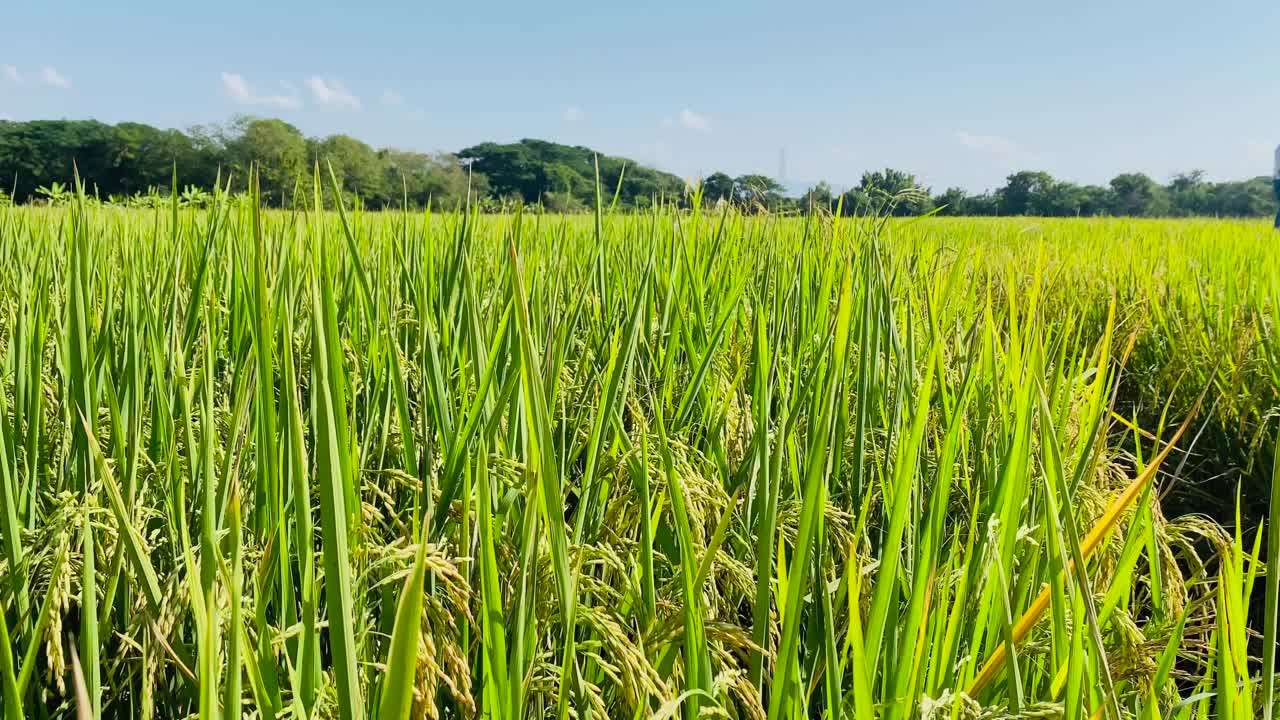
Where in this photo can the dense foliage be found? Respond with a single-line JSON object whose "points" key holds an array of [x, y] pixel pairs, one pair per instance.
{"points": [[564, 177], [129, 161], [1040, 194], [347, 464]]}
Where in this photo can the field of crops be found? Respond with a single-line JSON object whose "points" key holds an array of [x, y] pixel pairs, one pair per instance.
{"points": [[390, 465]]}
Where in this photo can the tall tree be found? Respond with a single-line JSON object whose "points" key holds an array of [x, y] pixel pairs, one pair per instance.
{"points": [[1023, 192], [757, 192], [359, 167], [1138, 195], [41, 152], [529, 168], [716, 187], [818, 198], [277, 149], [437, 179], [897, 190]]}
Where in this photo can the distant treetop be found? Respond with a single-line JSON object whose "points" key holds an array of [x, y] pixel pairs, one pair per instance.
{"points": [[564, 176]]}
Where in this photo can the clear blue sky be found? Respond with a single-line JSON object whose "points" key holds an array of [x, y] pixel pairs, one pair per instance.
{"points": [[959, 93]]}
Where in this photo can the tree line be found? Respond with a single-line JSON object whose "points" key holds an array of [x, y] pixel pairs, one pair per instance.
{"points": [[130, 161], [133, 163], [1024, 193]]}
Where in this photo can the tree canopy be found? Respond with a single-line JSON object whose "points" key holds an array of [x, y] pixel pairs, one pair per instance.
{"points": [[133, 158], [130, 159], [564, 175]]}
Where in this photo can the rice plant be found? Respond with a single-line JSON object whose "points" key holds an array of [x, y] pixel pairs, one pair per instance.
{"points": [[344, 464]]}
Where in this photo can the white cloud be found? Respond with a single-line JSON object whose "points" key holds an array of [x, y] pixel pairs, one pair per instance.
{"points": [[6, 118], [235, 86], [53, 78], [11, 74], [332, 93], [691, 120], [391, 97], [573, 113], [987, 143]]}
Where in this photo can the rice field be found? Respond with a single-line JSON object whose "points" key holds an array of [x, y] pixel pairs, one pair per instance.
{"points": [[354, 465]]}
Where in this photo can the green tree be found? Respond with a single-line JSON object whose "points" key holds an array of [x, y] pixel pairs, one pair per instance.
{"points": [[819, 197], [757, 193], [42, 152], [209, 160], [1189, 194], [855, 201], [529, 168], [438, 179], [1138, 195], [359, 168], [145, 157], [277, 149], [1251, 198], [953, 201], [897, 190], [1023, 192], [716, 187]]}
